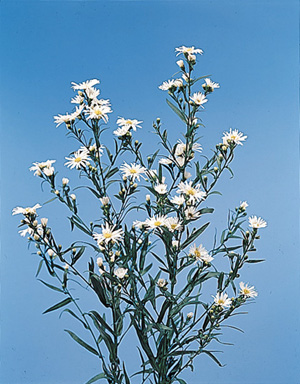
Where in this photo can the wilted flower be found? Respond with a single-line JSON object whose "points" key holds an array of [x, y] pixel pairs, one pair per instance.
{"points": [[99, 262], [247, 291], [60, 119], [121, 131], [180, 64], [43, 167], [44, 221], [178, 200], [166, 161], [234, 136], [222, 300], [175, 243], [120, 272], [257, 222]]}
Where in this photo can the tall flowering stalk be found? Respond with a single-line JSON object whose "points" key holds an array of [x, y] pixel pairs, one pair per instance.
{"points": [[147, 274]]}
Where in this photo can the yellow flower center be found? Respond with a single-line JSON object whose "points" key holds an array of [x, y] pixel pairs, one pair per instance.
{"points": [[189, 49], [173, 226], [78, 159], [157, 223], [133, 171], [220, 301], [129, 122], [197, 253], [191, 191], [98, 112], [107, 235], [246, 291]]}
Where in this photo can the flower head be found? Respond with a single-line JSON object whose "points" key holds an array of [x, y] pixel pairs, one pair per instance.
{"points": [[190, 315], [173, 224], [178, 200], [133, 171], [122, 131], [200, 253], [222, 300], [194, 193], [161, 283], [188, 50], [191, 213], [161, 189], [85, 84], [243, 205], [120, 272], [108, 234], [233, 136], [181, 148], [156, 222], [209, 85], [99, 112], [26, 211], [257, 222], [43, 167], [247, 291], [198, 98], [129, 123], [79, 160], [60, 119]]}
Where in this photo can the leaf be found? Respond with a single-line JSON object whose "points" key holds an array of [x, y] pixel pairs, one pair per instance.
{"points": [[101, 321], [74, 315], [111, 172], [213, 357], [254, 261], [78, 254], [194, 235], [99, 290], [177, 111], [58, 305], [82, 343], [39, 268], [51, 286], [96, 378]]}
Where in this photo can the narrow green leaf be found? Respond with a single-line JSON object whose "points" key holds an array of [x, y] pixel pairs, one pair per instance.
{"points": [[254, 261], [51, 286], [82, 343], [177, 111], [58, 305], [194, 235], [213, 357]]}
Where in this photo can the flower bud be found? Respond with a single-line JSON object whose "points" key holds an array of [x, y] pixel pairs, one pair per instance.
{"points": [[35, 223], [56, 192], [180, 64], [66, 266], [73, 196], [190, 315], [140, 241], [36, 237], [148, 197], [50, 252], [175, 243], [65, 181], [39, 253], [44, 221]]}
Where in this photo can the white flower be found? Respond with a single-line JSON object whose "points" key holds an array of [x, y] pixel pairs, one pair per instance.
{"points": [[243, 205], [43, 167], [99, 262], [166, 85], [191, 213], [77, 99], [178, 200], [79, 160], [166, 161], [187, 174], [198, 98], [129, 123], [85, 85], [200, 253], [44, 221], [104, 200], [60, 119], [26, 211], [50, 252], [148, 197], [121, 131], [210, 85], [161, 283], [178, 83], [161, 189], [73, 196], [99, 112], [180, 160], [26, 231], [156, 222], [222, 300], [257, 222], [173, 224], [93, 93], [134, 171], [180, 64], [234, 136], [181, 148], [190, 315], [175, 243], [194, 193], [65, 181], [188, 50], [247, 291], [138, 224], [186, 77], [108, 234], [121, 272]]}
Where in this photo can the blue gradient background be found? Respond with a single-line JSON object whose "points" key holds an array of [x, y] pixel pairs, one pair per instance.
{"points": [[251, 48]]}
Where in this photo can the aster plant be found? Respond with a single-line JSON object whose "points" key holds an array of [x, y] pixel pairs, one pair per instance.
{"points": [[148, 275]]}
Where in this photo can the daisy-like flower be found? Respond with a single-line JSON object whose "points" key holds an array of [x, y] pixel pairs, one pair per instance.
{"points": [[99, 112], [85, 84], [188, 50], [178, 83], [26, 231], [200, 253], [79, 160], [92, 93], [194, 193], [257, 222], [243, 205], [247, 291], [108, 234], [60, 119], [198, 98], [209, 85], [161, 189], [43, 167], [173, 224], [222, 300], [26, 211], [161, 283], [134, 171], [156, 222], [120, 272], [191, 213], [77, 99], [234, 136], [121, 131], [178, 200], [129, 123], [166, 85], [181, 148]]}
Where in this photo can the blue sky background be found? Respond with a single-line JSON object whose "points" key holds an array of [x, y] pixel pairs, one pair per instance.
{"points": [[251, 48]]}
